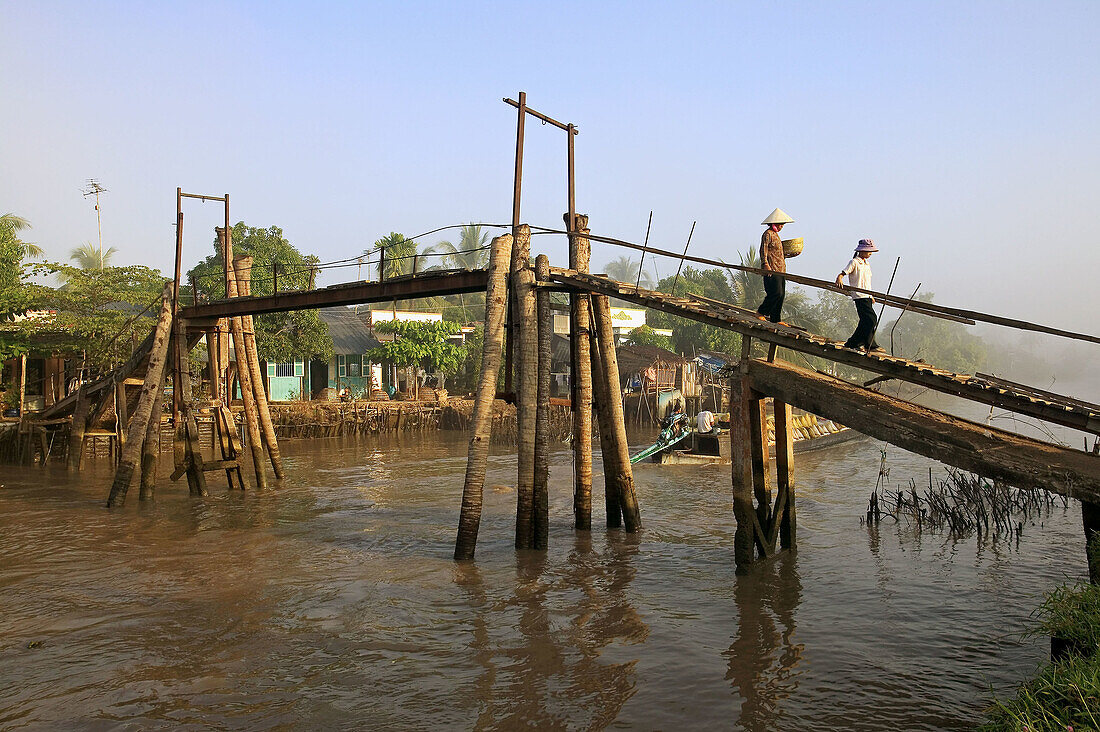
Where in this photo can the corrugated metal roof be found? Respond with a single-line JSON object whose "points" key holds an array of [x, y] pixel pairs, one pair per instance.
{"points": [[350, 335]]}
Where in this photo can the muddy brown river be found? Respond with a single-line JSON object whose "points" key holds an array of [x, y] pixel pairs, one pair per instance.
{"points": [[333, 603]]}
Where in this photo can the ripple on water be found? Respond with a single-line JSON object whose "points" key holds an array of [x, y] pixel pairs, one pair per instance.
{"points": [[332, 602]]}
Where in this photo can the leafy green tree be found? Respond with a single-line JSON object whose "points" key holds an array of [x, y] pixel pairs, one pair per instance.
{"points": [[689, 336], [89, 256], [399, 255], [646, 336], [280, 337], [471, 251], [101, 312], [937, 341], [424, 344], [17, 295]]}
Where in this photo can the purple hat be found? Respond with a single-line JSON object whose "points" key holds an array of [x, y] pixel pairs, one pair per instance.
{"points": [[866, 245]]}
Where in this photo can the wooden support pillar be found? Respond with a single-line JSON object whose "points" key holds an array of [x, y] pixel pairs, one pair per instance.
{"points": [[150, 451], [526, 355], [761, 465], [242, 268], [741, 404], [248, 396], [1090, 516], [481, 422], [784, 511], [22, 387], [120, 415], [545, 320], [130, 452], [612, 505], [616, 462], [76, 430], [188, 447], [580, 251]]}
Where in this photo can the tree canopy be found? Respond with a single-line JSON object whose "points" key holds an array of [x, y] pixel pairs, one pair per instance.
{"points": [[471, 251], [424, 344], [280, 337]]}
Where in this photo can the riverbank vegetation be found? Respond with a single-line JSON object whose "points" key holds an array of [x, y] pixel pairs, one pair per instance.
{"points": [[1065, 693]]}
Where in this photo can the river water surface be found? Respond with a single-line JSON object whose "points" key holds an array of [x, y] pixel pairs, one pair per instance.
{"points": [[333, 603]]}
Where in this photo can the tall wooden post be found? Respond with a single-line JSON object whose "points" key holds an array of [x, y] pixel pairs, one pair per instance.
{"points": [[616, 465], [22, 389], [248, 396], [784, 476], [188, 447], [242, 267], [130, 452], [526, 352], [612, 505], [741, 404], [76, 430], [481, 422], [150, 451], [580, 251], [541, 501], [761, 464]]}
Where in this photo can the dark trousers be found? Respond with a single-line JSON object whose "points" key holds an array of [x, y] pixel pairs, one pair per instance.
{"points": [[775, 289], [864, 337]]}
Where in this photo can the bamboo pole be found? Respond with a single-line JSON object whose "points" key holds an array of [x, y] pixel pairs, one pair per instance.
{"points": [[242, 268], [496, 298], [580, 253], [130, 452], [616, 465], [187, 441], [251, 420], [526, 365], [541, 500]]}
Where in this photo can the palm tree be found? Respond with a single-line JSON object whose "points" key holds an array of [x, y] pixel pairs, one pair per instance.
{"points": [[10, 226], [89, 256], [748, 287], [398, 255], [471, 252], [625, 269]]}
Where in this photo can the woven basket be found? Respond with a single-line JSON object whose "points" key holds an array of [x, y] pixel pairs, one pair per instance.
{"points": [[792, 247]]}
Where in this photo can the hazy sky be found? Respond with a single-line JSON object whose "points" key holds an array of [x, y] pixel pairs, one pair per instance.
{"points": [[962, 137]]}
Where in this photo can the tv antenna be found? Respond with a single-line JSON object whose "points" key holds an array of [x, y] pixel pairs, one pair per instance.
{"points": [[94, 188]]}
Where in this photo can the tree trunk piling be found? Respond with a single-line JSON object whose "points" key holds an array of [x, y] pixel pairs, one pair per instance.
{"points": [[242, 268], [580, 252], [616, 460], [526, 352], [148, 407], [545, 324], [496, 299]]}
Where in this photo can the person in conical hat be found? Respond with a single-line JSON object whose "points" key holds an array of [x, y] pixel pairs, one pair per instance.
{"points": [[858, 270], [771, 259]]}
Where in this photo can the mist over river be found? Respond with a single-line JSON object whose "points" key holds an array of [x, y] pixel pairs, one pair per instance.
{"points": [[333, 602]]}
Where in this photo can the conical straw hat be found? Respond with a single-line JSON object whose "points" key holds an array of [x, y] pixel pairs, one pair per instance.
{"points": [[778, 216]]}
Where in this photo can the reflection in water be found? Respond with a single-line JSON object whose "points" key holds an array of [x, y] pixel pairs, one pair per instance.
{"points": [[763, 658], [555, 677]]}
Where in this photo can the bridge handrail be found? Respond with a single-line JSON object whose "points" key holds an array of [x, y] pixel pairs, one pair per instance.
{"points": [[925, 308]]}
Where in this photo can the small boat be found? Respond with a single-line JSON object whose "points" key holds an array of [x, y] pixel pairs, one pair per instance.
{"points": [[809, 433]]}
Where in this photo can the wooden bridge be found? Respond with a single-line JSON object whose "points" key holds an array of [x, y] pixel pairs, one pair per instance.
{"points": [[518, 330], [765, 517]]}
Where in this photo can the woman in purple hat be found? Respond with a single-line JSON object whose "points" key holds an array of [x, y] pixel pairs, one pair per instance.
{"points": [[859, 275]]}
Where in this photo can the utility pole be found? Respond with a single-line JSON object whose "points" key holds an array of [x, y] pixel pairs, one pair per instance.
{"points": [[94, 188]]}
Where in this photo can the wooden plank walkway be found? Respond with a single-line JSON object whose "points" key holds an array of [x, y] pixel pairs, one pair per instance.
{"points": [[1054, 408]]}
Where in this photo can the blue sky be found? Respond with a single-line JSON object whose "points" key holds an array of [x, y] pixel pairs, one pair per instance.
{"points": [[960, 136]]}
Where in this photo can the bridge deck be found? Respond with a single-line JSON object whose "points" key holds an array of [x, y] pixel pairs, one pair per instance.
{"points": [[1018, 398], [423, 284]]}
